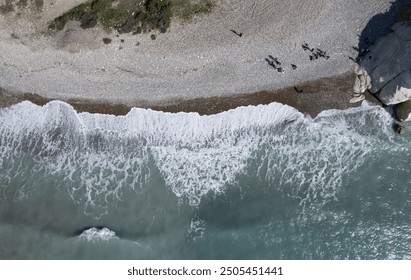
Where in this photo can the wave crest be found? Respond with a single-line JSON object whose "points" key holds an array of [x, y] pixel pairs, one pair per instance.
{"points": [[99, 156]]}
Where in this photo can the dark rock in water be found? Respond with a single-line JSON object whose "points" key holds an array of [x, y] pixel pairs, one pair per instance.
{"points": [[122, 40], [153, 37], [399, 128], [107, 41], [402, 111], [88, 20]]}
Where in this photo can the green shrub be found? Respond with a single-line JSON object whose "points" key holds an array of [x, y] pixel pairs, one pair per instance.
{"points": [[22, 3], [113, 17], [185, 9], [39, 4], [128, 15], [7, 7]]}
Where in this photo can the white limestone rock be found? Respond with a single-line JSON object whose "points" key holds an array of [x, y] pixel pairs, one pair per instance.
{"points": [[362, 81], [386, 68]]}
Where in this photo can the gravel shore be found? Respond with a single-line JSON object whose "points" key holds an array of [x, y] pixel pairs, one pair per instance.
{"points": [[201, 60]]}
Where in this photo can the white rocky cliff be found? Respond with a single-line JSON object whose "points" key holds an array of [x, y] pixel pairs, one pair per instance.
{"points": [[385, 70]]}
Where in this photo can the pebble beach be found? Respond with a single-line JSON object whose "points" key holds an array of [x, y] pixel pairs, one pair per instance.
{"points": [[194, 60]]}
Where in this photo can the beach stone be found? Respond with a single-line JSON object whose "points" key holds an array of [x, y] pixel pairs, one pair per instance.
{"points": [[107, 41], [386, 69], [357, 98]]}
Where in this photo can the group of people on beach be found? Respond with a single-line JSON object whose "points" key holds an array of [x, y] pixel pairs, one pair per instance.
{"points": [[315, 53], [276, 64]]}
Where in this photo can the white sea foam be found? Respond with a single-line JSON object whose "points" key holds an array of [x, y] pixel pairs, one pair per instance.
{"points": [[197, 229], [95, 234], [99, 156]]}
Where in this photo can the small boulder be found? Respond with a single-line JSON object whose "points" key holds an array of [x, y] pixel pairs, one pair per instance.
{"points": [[107, 41], [357, 98], [399, 128]]}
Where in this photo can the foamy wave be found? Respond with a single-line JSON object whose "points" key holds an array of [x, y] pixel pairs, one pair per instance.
{"points": [[315, 159], [102, 154], [95, 234], [99, 156]]}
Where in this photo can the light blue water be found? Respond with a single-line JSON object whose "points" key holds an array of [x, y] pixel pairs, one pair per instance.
{"points": [[261, 182]]}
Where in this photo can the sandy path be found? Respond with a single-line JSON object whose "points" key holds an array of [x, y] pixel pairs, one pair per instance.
{"points": [[203, 59]]}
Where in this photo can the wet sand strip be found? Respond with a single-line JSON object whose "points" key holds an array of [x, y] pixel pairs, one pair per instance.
{"points": [[310, 97]]}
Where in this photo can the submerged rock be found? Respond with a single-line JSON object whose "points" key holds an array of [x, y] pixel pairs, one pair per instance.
{"points": [[399, 128], [385, 70]]}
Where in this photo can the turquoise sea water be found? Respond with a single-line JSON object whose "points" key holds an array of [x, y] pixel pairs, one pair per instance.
{"points": [[261, 182]]}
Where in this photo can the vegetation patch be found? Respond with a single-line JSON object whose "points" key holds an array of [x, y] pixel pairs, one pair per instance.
{"points": [[132, 16], [22, 3], [187, 9], [39, 4], [7, 7]]}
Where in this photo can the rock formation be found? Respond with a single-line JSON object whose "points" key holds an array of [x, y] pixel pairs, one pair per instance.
{"points": [[385, 69]]}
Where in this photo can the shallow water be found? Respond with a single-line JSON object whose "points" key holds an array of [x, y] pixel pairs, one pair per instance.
{"points": [[261, 182]]}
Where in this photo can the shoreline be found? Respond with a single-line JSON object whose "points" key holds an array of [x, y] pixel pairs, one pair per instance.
{"points": [[201, 66], [198, 67], [316, 96]]}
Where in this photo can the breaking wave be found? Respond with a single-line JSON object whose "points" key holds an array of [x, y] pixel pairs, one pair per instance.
{"points": [[96, 234], [98, 157]]}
